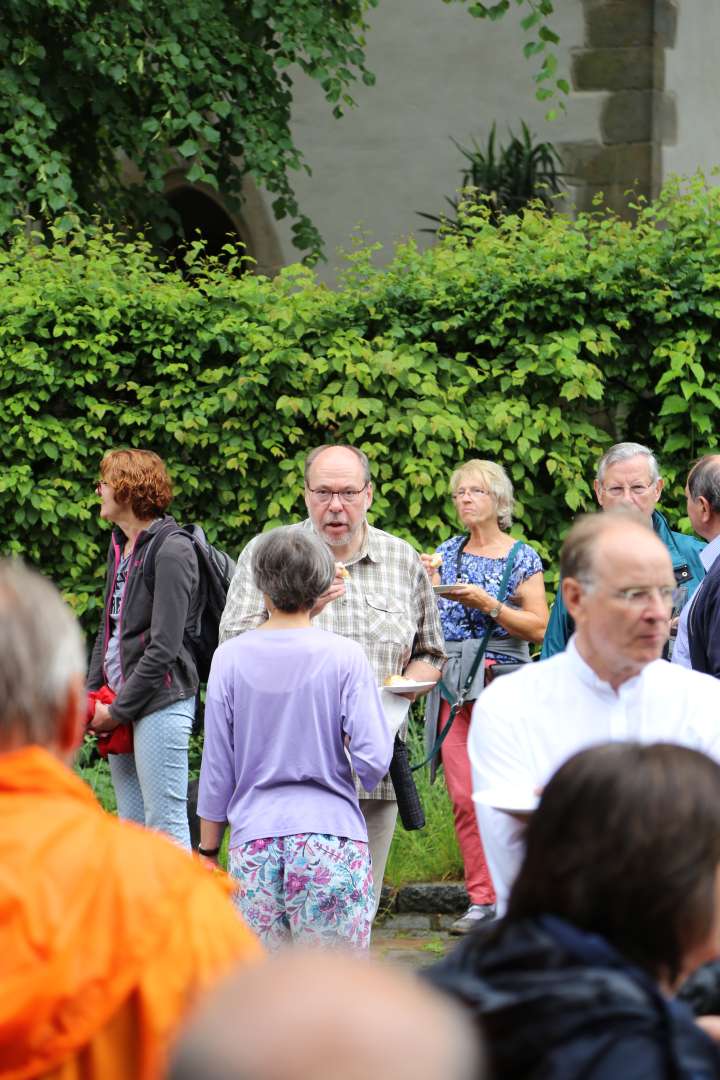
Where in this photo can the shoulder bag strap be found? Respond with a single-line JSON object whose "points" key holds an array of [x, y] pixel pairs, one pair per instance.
{"points": [[464, 691]]}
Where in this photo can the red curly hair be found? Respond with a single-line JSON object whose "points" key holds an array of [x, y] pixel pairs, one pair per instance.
{"points": [[140, 478]]}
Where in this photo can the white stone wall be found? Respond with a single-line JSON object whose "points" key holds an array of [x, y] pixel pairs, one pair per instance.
{"points": [[440, 72], [692, 76]]}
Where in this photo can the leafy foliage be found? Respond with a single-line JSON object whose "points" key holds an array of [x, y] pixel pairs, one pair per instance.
{"points": [[537, 343], [89, 86], [85, 85], [542, 38], [95, 771], [506, 179]]}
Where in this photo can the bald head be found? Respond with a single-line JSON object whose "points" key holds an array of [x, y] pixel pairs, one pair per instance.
{"points": [[618, 586], [702, 492], [341, 453], [326, 1016], [592, 533]]}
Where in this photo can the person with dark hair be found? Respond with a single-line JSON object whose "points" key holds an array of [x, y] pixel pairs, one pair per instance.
{"points": [[610, 683], [284, 703], [617, 899], [141, 665], [109, 933], [697, 644], [628, 477], [380, 598]]}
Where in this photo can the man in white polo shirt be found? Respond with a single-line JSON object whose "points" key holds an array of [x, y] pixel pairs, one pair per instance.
{"points": [[610, 683]]}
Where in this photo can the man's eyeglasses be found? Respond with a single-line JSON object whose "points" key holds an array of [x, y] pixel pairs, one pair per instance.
{"points": [[637, 490], [641, 597], [346, 495], [473, 492]]}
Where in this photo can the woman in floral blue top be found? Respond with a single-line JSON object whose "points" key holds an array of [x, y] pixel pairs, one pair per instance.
{"points": [[473, 564]]}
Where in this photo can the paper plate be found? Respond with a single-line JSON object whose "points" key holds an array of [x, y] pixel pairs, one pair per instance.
{"points": [[409, 687]]}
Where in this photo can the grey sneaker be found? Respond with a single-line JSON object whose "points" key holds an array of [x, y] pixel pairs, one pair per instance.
{"points": [[474, 915]]}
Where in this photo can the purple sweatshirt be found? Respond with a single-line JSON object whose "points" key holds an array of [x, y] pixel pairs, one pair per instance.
{"points": [[279, 703]]}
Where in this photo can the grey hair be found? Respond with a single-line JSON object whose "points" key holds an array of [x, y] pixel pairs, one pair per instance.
{"points": [[362, 458], [497, 482], [704, 479], [623, 451], [41, 650], [577, 555], [293, 567]]}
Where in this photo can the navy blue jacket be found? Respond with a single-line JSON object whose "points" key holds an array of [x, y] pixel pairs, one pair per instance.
{"points": [[704, 625], [555, 1003]]}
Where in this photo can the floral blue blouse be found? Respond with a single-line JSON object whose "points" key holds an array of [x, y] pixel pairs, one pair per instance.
{"points": [[459, 622]]}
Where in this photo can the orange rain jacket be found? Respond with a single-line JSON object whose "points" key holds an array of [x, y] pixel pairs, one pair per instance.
{"points": [[107, 931]]}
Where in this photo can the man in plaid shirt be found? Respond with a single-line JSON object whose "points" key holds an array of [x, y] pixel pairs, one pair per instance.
{"points": [[383, 600]]}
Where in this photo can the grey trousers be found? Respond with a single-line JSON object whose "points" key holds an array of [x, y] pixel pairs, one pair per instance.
{"points": [[380, 816]]}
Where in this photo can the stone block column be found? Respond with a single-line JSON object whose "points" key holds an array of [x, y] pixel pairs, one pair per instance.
{"points": [[623, 55]]}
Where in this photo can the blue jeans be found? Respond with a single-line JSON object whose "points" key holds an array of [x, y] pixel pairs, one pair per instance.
{"points": [[151, 783]]}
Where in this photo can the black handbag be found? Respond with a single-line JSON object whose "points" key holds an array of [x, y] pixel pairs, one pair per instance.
{"points": [[410, 808]]}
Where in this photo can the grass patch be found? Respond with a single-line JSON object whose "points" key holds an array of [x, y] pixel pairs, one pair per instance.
{"points": [[432, 853], [95, 771], [436, 946]]}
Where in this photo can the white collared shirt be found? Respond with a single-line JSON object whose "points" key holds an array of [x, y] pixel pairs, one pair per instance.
{"points": [[526, 725], [681, 648]]}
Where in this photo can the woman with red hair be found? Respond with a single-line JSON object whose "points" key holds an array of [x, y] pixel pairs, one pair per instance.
{"points": [[142, 672]]}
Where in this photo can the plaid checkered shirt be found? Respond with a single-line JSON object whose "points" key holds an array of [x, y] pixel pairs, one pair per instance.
{"points": [[389, 608]]}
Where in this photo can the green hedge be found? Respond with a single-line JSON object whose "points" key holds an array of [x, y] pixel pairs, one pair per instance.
{"points": [[536, 343]]}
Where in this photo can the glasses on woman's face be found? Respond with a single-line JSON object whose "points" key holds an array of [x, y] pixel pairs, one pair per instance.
{"points": [[471, 492]]}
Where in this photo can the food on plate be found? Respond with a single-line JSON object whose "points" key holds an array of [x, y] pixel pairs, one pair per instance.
{"points": [[396, 680]]}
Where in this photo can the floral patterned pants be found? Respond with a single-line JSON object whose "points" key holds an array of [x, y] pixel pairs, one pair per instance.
{"points": [[308, 887]]}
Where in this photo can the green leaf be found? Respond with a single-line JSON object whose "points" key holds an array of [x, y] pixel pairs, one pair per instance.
{"points": [[673, 404], [188, 148]]}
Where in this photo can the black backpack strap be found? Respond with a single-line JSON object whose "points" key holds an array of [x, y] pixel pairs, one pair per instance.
{"points": [[154, 545]]}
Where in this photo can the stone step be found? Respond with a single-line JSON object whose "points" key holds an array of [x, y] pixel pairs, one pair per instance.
{"points": [[425, 898]]}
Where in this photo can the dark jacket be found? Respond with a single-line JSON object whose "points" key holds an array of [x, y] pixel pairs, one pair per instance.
{"points": [[555, 1003], [687, 566], [704, 625], [156, 663]]}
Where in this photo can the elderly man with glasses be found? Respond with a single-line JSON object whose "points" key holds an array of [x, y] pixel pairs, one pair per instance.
{"points": [[608, 685], [628, 477], [381, 597]]}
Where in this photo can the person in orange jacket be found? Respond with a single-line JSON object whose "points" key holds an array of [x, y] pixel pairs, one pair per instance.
{"points": [[109, 932]]}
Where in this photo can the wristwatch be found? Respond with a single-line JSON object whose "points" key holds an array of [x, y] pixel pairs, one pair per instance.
{"points": [[495, 611]]}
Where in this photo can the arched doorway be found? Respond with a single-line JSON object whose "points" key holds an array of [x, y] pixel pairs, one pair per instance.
{"points": [[201, 217]]}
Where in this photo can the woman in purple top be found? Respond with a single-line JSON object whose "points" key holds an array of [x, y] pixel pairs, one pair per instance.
{"points": [[288, 708]]}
